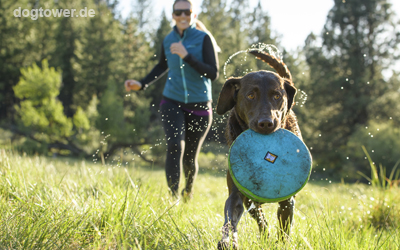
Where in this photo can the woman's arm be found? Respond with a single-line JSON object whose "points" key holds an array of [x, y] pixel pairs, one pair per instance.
{"points": [[158, 71], [208, 68]]}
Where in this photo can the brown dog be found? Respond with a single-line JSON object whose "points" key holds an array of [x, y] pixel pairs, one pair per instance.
{"points": [[261, 101]]}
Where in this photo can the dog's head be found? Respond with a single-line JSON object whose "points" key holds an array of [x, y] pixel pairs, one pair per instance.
{"points": [[261, 99]]}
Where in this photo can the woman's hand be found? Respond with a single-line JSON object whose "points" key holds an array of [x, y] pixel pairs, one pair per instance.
{"points": [[178, 49], [132, 85]]}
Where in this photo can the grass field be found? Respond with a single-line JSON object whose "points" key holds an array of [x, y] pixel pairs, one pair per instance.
{"points": [[48, 203]]}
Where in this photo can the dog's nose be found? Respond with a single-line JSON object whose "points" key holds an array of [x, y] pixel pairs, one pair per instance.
{"points": [[266, 123]]}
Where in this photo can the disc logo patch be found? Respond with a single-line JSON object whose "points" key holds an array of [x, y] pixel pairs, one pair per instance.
{"points": [[270, 157]]}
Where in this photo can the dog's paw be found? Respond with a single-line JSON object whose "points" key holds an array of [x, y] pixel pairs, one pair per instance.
{"points": [[265, 232]]}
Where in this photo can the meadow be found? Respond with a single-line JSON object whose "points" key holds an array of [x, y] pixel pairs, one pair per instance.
{"points": [[62, 203]]}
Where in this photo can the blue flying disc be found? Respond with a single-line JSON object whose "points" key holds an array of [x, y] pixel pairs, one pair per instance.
{"points": [[269, 168]]}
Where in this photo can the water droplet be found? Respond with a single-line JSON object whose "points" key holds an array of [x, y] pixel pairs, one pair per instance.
{"points": [[268, 48]]}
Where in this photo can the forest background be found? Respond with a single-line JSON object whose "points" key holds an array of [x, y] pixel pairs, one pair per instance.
{"points": [[62, 94]]}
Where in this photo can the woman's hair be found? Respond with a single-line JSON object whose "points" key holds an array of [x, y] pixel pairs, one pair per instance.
{"points": [[202, 27], [173, 6]]}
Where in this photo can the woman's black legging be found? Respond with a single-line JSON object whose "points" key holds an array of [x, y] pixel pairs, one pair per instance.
{"points": [[185, 133]]}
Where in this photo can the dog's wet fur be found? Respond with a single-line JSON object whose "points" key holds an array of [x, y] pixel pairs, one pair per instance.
{"points": [[261, 101]]}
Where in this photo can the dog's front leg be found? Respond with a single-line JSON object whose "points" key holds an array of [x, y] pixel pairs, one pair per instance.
{"points": [[257, 213], [233, 211], [285, 217]]}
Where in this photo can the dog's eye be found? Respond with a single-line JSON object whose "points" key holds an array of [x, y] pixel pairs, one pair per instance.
{"points": [[277, 96], [251, 96]]}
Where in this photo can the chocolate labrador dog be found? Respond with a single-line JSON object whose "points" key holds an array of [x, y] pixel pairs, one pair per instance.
{"points": [[261, 101]]}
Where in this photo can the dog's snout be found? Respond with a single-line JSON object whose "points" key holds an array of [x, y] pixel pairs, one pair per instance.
{"points": [[266, 123]]}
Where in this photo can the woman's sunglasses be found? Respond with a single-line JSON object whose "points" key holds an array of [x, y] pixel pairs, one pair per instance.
{"points": [[179, 12]]}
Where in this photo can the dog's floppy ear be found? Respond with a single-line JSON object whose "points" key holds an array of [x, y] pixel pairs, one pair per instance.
{"points": [[227, 96], [291, 93]]}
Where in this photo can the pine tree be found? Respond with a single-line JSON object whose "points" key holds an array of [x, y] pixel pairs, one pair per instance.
{"points": [[65, 54], [23, 41], [101, 41], [346, 73]]}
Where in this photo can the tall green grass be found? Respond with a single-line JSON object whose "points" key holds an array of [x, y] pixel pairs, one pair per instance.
{"points": [[48, 203], [379, 179], [383, 216]]}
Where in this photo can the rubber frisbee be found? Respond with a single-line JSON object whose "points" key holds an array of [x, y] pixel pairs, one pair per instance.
{"points": [[269, 168]]}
